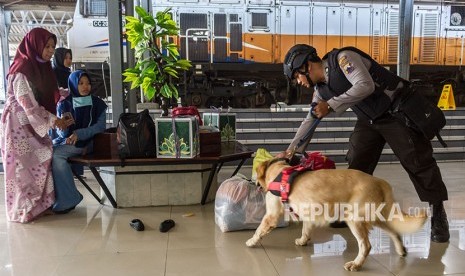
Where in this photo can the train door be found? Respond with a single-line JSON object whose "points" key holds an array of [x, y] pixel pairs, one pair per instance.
{"points": [[294, 27], [227, 37], [195, 36], [219, 37], [235, 38], [356, 22], [425, 40], [454, 36], [326, 27], [258, 40]]}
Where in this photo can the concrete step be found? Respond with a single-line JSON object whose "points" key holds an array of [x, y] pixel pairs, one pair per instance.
{"points": [[274, 130]]}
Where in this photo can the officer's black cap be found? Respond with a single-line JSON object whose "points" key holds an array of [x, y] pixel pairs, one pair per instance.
{"points": [[296, 57]]}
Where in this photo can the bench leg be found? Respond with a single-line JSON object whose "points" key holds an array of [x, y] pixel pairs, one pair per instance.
{"points": [[238, 167], [209, 183], [103, 186], [87, 186]]}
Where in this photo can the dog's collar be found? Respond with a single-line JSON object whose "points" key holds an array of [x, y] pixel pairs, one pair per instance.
{"points": [[276, 160]]}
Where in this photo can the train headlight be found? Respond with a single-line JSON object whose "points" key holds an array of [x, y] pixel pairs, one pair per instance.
{"points": [[455, 19]]}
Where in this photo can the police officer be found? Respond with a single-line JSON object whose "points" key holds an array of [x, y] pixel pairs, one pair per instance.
{"points": [[349, 78]]}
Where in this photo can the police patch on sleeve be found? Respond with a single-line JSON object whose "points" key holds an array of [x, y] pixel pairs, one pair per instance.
{"points": [[345, 65]]}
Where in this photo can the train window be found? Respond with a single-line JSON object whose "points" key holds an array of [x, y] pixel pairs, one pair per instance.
{"points": [[233, 18], [220, 27], [259, 21], [93, 8]]}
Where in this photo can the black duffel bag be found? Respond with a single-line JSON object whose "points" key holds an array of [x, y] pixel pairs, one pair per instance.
{"points": [[418, 113]]}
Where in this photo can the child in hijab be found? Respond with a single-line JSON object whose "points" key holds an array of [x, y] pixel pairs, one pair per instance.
{"points": [[29, 113], [62, 60], [61, 64], [89, 116]]}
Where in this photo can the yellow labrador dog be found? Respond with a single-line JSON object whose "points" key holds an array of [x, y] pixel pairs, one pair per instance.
{"points": [[318, 196]]}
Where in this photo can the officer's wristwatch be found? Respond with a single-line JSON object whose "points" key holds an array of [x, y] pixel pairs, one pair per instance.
{"points": [[330, 109]]}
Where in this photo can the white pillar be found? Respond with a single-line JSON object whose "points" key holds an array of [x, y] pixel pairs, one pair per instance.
{"points": [[405, 38]]}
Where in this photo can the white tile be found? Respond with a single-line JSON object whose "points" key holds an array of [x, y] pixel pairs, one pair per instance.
{"points": [[95, 238]]}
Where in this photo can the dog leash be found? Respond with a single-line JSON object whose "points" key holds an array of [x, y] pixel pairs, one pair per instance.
{"points": [[305, 140]]}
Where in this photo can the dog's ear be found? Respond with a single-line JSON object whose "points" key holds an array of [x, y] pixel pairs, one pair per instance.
{"points": [[261, 173]]}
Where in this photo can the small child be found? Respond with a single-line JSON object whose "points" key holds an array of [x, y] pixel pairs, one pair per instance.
{"points": [[89, 116]]}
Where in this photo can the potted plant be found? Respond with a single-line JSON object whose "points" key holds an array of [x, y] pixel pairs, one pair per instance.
{"points": [[157, 59]]}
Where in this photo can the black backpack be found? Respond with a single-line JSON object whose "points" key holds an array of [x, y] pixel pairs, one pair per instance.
{"points": [[136, 135]]}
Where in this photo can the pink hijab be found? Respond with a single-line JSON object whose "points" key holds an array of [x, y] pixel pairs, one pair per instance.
{"points": [[28, 61]]}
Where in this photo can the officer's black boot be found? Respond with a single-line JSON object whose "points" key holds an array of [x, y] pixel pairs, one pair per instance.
{"points": [[439, 224]]}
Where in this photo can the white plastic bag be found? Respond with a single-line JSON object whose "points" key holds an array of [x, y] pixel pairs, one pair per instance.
{"points": [[239, 205]]}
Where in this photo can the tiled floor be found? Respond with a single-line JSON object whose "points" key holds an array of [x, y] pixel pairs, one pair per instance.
{"points": [[97, 240]]}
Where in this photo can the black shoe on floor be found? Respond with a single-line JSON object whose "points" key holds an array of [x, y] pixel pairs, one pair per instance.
{"points": [[166, 225], [338, 224], [137, 224], [439, 224]]}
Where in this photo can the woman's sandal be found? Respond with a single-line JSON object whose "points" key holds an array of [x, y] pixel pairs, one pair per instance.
{"points": [[166, 225], [137, 224]]}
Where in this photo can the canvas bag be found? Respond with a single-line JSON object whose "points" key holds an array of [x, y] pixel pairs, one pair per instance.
{"points": [[136, 135]]}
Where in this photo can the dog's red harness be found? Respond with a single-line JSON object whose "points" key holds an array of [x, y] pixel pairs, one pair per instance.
{"points": [[281, 186]]}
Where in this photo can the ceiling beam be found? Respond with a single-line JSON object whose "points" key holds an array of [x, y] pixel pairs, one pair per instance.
{"points": [[38, 5]]}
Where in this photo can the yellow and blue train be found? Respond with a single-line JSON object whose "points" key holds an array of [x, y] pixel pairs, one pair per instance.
{"points": [[237, 46]]}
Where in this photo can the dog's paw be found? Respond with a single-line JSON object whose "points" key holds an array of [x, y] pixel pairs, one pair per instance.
{"points": [[301, 241], [352, 266], [251, 242]]}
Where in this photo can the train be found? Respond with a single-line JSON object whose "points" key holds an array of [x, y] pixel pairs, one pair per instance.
{"points": [[237, 46]]}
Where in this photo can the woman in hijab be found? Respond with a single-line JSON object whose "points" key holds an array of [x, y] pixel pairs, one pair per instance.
{"points": [[89, 116], [62, 60], [28, 114]]}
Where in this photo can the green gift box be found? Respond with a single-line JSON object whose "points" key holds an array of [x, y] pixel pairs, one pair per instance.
{"points": [[225, 122], [177, 137]]}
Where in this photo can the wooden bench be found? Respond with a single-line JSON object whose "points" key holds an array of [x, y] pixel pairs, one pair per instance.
{"points": [[230, 151]]}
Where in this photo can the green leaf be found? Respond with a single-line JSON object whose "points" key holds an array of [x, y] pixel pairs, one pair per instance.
{"points": [[157, 63], [149, 20], [140, 11], [166, 91], [150, 93], [136, 83], [175, 91], [146, 83], [130, 19], [172, 73]]}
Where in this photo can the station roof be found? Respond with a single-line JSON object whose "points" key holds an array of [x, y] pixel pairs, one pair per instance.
{"points": [[33, 4], [27, 14]]}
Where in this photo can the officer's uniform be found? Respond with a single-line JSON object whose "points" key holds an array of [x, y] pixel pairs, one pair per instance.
{"points": [[350, 77]]}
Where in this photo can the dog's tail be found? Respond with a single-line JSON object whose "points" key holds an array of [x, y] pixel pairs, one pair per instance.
{"points": [[404, 224], [399, 221]]}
